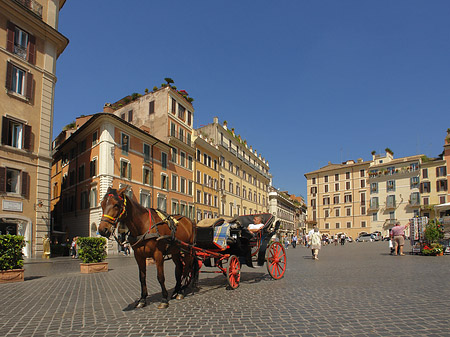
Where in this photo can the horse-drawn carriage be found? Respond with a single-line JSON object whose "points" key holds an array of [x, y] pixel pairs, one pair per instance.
{"points": [[227, 243], [220, 243]]}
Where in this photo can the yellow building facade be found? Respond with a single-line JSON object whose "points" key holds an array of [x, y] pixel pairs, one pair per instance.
{"points": [[30, 44]]}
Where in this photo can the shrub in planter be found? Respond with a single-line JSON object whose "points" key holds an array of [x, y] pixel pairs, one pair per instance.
{"points": [[11, 255], [91, 250]]}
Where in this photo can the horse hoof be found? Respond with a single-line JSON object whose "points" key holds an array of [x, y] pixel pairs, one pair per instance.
{"points": [[141, 304], [180, 297], [163, 305]]}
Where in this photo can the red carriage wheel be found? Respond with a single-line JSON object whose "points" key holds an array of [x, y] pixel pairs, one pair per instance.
{"points": [[233, 272], [276, 260]]}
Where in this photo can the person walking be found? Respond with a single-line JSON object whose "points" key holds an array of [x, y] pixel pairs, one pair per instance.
{"points": [[342, 239], [398, 235], [294, 241], [315, 242]]}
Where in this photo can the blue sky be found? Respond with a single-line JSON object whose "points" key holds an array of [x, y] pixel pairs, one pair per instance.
{"points": [[304, 82]]}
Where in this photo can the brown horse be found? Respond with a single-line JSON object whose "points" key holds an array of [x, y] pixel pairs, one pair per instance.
{"points": [[152, 234]]}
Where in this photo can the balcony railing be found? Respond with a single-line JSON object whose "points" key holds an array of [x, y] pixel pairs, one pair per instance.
{"points": [[32, 5], [181, 137], [390, 205], [414, 202]]}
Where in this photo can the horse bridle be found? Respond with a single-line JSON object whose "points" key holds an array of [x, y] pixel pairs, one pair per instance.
{"points": [[114, 221]]}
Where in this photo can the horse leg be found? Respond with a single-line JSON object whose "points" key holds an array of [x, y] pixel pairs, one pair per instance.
{"points": [[159, 260], [178, 291], [141, 261]]}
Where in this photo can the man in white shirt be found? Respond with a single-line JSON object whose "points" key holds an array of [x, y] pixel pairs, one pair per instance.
{"points": [[256, 225]]}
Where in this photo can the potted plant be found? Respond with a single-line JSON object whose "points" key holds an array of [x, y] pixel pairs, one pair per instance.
{"points": [[92, 251], [11, 258], [434, 232]]}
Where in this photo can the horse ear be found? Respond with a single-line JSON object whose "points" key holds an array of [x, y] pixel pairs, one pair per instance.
{"points": [[122, 191]]}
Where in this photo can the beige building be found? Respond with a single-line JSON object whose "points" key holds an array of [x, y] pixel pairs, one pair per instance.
{"points": [[244, 176], [206, 187], [30, 44], [394, 190], [167, 114], [338, 198], [433, 185]]}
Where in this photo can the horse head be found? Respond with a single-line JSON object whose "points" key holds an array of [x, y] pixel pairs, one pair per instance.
{"points": [[114, 209]]}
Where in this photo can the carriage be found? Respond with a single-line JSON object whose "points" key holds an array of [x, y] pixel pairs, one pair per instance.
{"points": [[221, 243], [226, 244]]}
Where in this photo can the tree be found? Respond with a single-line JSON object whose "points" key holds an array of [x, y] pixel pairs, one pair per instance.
{"points": [[168, 80]]}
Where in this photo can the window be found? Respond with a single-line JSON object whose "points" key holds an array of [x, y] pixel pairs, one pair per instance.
{"points": [[426, 200], [164, 160], [325, 179], [130, 116], [19, 81], [390, 185], [164, 182], [146, 152], [181, 135], [183, 185], [199, 156], [189, 121], [125, 169], [347, 185], [326, 213], [327, 226], [336, 177], [174, 182], [349, 225], [336, 199], [93, 167], [161, 201], [374, 188], [190, 162], [125, 143], [16, 134], [147, 176], [425, 187], [441, 171], [375, 217], [338, 225], [326, 200], [93, 197], [363, 183], [190, 187], [425, 173], [337, 212], [347, 175], [21, 43], [94, 138], [173, 131], [181, 112], [84, 200], [374, 203], [199, 177], [414, 167], [441, 185], [336, 187], [182, 159], [414, 199], [348, 198], [14, 181], [348, 211], [145, 199], [313, 181], [361, 173], [81, 173], [175, 207], [390, 201], [326, 188], [199, 196], [151, 108], [174, 155], [363, 224], [174, 106], [414, 182]]}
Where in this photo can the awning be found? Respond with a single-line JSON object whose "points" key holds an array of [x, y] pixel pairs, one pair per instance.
{"points": [[442, 207]]}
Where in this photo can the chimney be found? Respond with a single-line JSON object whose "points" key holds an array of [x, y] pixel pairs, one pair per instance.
{"points": [[108, 108]]}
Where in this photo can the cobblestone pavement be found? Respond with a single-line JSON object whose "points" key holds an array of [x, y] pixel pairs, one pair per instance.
{"points": [[352, 290]]}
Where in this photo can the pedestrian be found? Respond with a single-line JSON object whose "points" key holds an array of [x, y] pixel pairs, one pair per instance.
{"points": [[73, 248], [126, 248], [314, 241], [342, 239], [294, 241], [398, 236], [286, 242]]}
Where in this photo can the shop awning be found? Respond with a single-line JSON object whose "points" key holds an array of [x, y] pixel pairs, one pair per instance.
{"points": [[442, 207]]}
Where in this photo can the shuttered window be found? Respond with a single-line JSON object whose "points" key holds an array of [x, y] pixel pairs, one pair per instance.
{"points": [[21, 43], [19, 81], [14, 181], [16, 134]]}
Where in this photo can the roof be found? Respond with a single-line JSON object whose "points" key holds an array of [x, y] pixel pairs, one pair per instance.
{"points": [[333, 167], [110, 115]]}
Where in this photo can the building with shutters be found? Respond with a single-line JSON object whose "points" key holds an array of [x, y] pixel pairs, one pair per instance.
{"points": [[30, 44], [244, 177], [167, 114], [103, 150], [206, 180]]}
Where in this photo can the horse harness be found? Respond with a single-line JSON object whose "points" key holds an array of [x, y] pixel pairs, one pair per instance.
{"points": [[165, 219]]}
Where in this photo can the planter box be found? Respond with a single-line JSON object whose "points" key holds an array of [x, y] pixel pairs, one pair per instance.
{"points": [[88, 268], [12, 275]]}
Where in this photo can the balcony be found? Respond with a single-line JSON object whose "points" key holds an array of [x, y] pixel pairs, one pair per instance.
{"points": [[391, 205], [31, 5], [181, 137], [374, 206], [414, 203]]}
